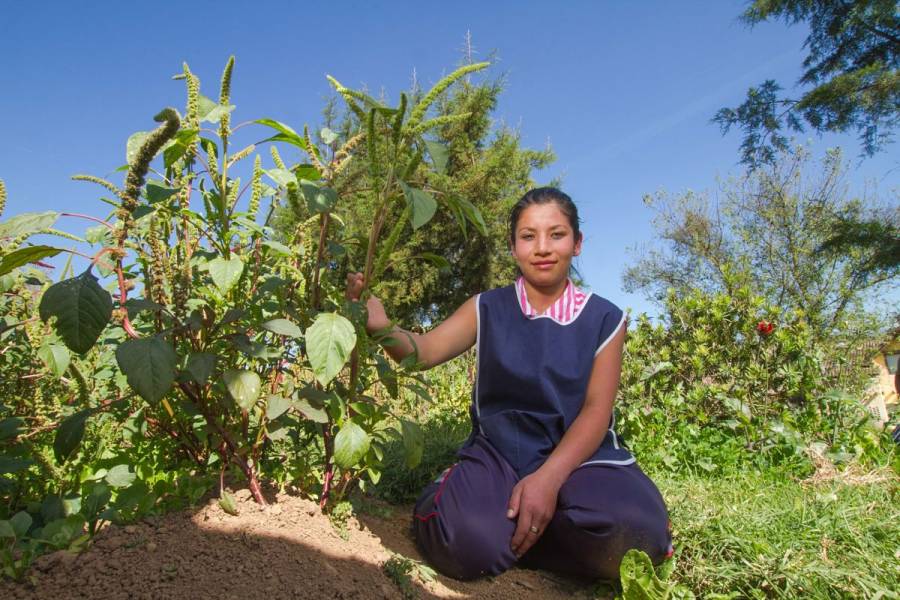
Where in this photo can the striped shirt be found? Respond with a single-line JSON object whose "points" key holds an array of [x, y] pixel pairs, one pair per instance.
{"points": [[564, 309]]}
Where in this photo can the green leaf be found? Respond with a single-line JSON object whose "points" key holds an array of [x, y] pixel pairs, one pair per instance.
{"points": [[307, 172], [133, 145], [82, 309], [9, 464], [243, 385], [201, 365], [61, 532], [214, 115], [329, 341], [149, 364], [287, 134], [282, 177], [422, 203], [23, 256], [278, 248], [9, 427], [228, 503], [69, 435], [55, 357], [6, 530], [157, 191], [21, 523], [120, 476], [350, 445], [276, 406], [136, 305], [27, 223], [95, 500], [413, 442], [318, 199], [439, 155], [283, 327], [316, 415], [225, 273], [639, 581]]}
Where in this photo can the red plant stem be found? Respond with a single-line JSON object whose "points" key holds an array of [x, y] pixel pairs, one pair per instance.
{"points": [[249, 472], [329, 468], [89, 218], [123, 297]]}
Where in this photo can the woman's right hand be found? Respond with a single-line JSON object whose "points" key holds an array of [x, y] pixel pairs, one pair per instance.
{"points": [[378, 318]]}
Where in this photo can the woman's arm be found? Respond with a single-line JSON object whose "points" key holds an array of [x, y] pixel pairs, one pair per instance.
{"points": [[449, 339], [534, 498]]}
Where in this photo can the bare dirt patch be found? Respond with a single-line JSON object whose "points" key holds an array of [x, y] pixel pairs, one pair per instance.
{"points": [[285, 550]]}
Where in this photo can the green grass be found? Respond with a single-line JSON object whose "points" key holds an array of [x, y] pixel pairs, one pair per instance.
{"points": [[763, 535]]}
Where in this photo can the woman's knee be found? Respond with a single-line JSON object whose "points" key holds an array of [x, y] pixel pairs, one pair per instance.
{"points": [[464, 548]]}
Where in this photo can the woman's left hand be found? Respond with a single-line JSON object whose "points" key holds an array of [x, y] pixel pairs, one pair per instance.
{"points": [[533, 501]]}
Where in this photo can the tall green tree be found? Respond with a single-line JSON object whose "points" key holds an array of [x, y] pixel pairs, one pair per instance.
{"points": [[850, 81], [767, 231]]}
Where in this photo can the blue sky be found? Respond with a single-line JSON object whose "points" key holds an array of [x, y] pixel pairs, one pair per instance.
{"points": [[623, 92]]}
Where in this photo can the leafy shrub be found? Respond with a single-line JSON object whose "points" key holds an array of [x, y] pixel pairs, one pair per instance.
{"points": [[726, 380]]}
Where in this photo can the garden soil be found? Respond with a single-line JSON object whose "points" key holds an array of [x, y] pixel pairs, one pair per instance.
{"points": [[285, 550]]}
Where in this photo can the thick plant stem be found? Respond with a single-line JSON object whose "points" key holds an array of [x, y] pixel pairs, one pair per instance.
{"points": [[320, 254]]}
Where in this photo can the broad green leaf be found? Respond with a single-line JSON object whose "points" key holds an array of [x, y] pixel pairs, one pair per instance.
{"points": [[287, 134], [61, 532], [6, 530], [133, 145], [283, 327], [282, 177], [149, 364], [201, 365], [225, 273], [327, 135], [211, 111], [228, 503], [10, 464], [422, 203], [137, 305], [413, 442], [350, 445], [82, 309], [157, 191], [276, 406], [69, 435], [21, 523], [23, 256], [27, 223], [55, 357], [243, 385], [95, 500], [9, 427], [316, 415], [278, 247], [439, 155], [318, 199], [120, 476], [329, 341], [307, 172]]}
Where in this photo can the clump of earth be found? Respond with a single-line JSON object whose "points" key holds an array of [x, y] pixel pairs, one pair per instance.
{"points": [[285, 550]]}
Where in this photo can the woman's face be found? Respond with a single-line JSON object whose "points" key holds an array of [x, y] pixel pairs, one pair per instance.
{"points": [[545, 244]]}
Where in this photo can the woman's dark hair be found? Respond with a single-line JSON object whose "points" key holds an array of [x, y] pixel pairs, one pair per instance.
{"points": [[544, 195]]}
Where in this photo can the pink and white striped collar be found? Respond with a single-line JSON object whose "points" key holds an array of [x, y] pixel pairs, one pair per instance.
{"points": [[564, 310]]}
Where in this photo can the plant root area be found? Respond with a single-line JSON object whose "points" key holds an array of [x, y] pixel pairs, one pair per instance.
{"points": [[285, 550]]}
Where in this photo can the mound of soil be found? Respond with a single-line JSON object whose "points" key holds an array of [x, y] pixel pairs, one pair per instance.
{"points": [[286, 550]]}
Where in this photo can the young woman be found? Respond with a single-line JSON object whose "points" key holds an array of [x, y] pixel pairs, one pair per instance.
{"points": [[543, 479]]}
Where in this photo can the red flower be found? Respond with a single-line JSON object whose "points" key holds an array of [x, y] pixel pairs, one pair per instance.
{"points": [[764, 328]]}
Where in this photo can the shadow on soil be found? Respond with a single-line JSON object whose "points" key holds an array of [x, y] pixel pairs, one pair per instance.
{"points": [[287, 550]]}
